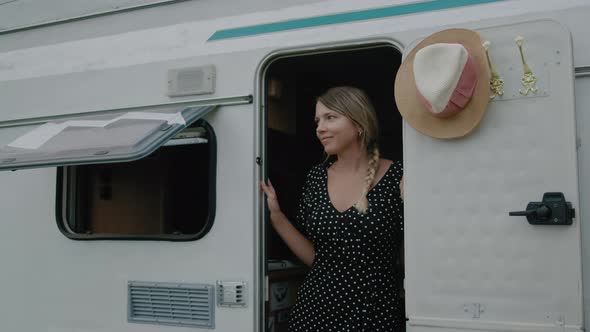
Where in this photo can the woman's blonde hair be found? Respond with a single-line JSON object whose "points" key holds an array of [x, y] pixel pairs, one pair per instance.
{"points": [[355, 104]]}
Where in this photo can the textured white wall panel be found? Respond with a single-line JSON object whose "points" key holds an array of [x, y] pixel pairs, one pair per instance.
{"points": [[462, 246], [59, 284], [583, 126]]}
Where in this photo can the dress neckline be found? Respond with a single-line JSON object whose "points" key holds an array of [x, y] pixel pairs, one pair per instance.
{"points": [[325, 168]]}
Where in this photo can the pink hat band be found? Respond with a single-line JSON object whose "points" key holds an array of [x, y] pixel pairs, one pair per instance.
{"points": [[461, 93]]}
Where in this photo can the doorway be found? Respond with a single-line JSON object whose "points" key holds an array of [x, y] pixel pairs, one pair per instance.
{"points": [[292, 83]]}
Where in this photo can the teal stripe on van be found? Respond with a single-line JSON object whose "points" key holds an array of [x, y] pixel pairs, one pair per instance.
{"points": [[361, 15]]}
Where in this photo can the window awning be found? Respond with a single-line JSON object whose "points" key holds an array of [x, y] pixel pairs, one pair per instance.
{"points": [[115, 137]]}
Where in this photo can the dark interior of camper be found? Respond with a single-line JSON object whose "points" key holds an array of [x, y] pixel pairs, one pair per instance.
{"points": [[292, 85]]}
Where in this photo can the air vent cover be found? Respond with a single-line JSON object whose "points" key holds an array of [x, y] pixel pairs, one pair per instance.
{"points": [[191, 81], [171, 304]]}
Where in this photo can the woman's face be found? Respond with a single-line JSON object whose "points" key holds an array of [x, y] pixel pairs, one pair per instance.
{"points": [[335, 131]]}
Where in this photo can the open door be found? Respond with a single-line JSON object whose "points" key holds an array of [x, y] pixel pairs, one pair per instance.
{"points": [[469, 264]]}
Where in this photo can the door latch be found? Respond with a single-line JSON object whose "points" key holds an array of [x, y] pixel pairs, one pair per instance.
{"points": [[553, 210]]}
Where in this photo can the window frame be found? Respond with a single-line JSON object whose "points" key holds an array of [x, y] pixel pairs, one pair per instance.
{"points": [[62, 185]]}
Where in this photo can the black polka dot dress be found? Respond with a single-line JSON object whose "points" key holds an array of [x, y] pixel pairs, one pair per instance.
{"points": [[355, 280]]}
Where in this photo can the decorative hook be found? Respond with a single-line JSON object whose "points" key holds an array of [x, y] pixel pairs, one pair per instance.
{"points": [[496, 83], [529, 81]]}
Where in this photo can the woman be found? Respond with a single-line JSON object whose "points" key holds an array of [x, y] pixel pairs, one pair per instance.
{"points": [[349, 226]]}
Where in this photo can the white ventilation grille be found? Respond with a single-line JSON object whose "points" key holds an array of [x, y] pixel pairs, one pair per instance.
{"points": [[171, 304]]}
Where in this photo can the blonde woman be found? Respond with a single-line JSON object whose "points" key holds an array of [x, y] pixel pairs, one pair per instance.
{"points": [[349, 227]]}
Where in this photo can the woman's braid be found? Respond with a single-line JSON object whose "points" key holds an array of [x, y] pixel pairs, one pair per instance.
{"points": [[362, 204]]}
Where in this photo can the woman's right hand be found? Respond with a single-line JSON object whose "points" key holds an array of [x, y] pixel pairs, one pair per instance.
{"points": [[271, 197], [297, 242]]}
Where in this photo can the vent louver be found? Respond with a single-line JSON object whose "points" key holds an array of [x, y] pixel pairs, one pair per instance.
{"points": [[171, 304]]}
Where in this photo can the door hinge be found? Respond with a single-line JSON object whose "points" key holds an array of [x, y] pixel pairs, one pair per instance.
{"points": [[266, 290]]}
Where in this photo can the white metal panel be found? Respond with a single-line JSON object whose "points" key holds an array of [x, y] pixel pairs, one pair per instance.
{"points": [[583, 130], [154, 43], [52, 283], [88, 279], [127, 86], [97, 72], [18, 13], [168, 12], [45, 79], [462, 247]]}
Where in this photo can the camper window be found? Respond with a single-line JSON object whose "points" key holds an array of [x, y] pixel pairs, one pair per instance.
{"points": [[168, 195]]}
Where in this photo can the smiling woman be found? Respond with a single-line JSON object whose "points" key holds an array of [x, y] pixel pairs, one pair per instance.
{"points": [[351, 125], [334, 129], [348, 226]]}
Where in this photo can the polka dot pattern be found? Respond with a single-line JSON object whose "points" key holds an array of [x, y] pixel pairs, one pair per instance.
{"points": [[354, 283]]}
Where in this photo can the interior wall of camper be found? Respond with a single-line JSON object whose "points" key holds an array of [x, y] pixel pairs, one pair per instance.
{"points": [[293, 84]]}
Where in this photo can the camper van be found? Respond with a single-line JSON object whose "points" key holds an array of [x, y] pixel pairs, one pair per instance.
{"points": [[134, 135]]}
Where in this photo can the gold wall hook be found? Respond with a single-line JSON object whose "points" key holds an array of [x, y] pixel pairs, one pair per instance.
{"points": [[496, 83], [529, 81]]}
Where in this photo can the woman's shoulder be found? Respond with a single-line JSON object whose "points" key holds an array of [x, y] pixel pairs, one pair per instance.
{"points": [[315, 173], [395, 167], [317, 169], [387, 164]]}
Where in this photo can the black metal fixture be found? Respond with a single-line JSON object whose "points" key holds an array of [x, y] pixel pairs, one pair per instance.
{"points": [[553, 210]]}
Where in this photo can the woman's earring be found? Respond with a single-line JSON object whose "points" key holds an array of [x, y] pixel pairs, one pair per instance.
{"points": [[360, 133], [496, 83]]}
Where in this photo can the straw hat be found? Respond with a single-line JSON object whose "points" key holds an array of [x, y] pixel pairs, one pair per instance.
{"points": [[442, 87]]}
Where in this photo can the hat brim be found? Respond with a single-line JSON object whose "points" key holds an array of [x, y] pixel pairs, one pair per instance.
{"points": [[416, 113]]}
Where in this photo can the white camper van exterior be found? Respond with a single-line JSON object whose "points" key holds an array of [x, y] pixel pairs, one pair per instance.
{"points": [[468, 265]]}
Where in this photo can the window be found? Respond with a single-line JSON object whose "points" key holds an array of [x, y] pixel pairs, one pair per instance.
{"points": [[136, 175], [168, 195]]}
